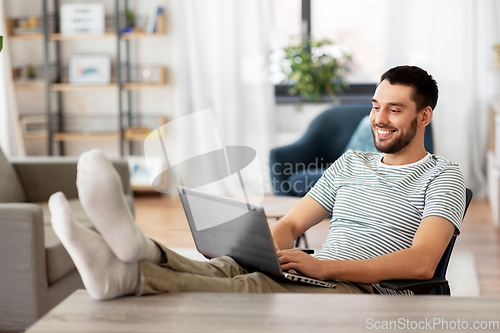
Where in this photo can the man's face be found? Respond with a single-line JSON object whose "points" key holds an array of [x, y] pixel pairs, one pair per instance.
{"points": [[394, 117]]}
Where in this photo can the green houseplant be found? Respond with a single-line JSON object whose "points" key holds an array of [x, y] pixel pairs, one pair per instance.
{"points": [[314, 69], [130, 18]]}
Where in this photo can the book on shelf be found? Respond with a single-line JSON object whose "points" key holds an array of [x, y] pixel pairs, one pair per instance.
{"points": [[23, 26], [160, 21], [155, 21]]}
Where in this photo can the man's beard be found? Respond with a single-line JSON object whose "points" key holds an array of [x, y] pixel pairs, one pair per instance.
{"points": [[398, 143]]}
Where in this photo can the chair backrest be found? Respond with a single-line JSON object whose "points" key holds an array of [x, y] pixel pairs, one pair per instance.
{"points": [[445, 259], [332, 129], [343, 121]]}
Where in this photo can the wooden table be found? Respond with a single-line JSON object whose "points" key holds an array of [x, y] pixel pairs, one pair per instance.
{"points": [[211, 312]]}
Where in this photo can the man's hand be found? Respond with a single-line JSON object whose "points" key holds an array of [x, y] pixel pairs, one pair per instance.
{"points": [[301, 262]]}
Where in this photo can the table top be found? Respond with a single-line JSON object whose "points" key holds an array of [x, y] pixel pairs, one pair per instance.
{"points": [[212, 312]]}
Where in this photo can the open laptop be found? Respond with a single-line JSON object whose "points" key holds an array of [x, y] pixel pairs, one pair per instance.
{"points": [[223, 226]]}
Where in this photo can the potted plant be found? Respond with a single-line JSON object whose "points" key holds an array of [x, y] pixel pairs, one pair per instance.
{"points": [[314, 69], [31, 73], [130, 18]]}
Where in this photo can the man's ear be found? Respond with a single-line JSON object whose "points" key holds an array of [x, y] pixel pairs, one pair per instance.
{"points": [[425, 116]]}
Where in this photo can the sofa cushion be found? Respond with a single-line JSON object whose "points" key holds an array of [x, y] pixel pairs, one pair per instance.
{"points": [[59, 263], [11, 189]]}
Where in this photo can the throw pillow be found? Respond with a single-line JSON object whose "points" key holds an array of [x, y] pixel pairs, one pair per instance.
{"points": [[362, 138]]}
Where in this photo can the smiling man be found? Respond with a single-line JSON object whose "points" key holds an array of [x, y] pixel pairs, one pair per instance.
{"points": [[394, 126], [393, 214]]}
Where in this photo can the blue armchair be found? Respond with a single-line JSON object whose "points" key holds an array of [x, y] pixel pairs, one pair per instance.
{"points": [[295, 168]]}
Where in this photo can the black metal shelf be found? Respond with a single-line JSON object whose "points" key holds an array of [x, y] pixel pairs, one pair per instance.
{"points": [[125, 77]]}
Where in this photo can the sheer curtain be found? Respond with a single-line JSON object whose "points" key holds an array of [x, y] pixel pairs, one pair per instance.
{"points": [[11, 140], [452, 40], [219, 57]]}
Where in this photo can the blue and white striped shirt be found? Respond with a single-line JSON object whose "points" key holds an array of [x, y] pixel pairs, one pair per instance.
{"points": [[377, 208]]}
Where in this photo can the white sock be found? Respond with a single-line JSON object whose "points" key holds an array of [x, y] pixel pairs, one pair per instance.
{"points": [[103, 274], [101, 193]]}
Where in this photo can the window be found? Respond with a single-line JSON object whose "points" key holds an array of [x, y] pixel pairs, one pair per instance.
{"points": [[355, 25]]}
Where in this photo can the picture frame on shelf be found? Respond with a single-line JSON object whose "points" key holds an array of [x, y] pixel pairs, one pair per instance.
{"points": [[90, 69], [82, 18], [140, 169]]}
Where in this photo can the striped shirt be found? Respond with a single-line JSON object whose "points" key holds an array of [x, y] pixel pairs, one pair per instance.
{"points": [[377, 208]]}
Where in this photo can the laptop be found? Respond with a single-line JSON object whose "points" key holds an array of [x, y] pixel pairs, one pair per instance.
{"points": [[224, 226]]}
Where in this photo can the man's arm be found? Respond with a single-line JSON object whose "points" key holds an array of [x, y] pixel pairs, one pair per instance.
{"points": [[417, 262], [305, 214]]}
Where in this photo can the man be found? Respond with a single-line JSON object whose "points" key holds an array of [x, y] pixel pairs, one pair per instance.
{"points": [[393, 214]]}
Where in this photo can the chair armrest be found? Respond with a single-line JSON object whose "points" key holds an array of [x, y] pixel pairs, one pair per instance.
{"points": [[417, 286], [41, 177], [23, 277]]}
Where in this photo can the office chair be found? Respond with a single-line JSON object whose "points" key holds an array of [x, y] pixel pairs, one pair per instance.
{"points": [[437, 285]]}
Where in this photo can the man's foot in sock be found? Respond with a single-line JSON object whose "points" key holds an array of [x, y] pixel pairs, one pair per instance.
{"points": [[101, 194], [103, 274]]}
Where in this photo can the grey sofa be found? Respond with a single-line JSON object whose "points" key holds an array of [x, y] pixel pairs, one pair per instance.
{"points": [[36, 271]]}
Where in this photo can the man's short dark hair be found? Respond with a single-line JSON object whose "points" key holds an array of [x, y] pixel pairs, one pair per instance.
{"points": [[425, 89]]}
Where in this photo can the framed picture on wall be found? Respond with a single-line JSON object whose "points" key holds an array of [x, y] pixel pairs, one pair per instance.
{"points": [[90, 69]]}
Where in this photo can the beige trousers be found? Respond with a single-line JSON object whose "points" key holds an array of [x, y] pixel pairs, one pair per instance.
{"points": [[179, 274]]}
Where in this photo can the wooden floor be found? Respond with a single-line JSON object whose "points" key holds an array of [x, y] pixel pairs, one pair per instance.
{"points": [[163, 220], [482, 238]]}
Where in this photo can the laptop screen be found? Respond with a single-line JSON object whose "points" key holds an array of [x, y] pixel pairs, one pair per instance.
{"points": [[226, 227]]}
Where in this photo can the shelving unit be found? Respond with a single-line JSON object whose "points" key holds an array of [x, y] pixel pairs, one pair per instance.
{"points": [[55, 86], [30, 85], [37, 35], [61, 37], [57, 36], [84, 136]]}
